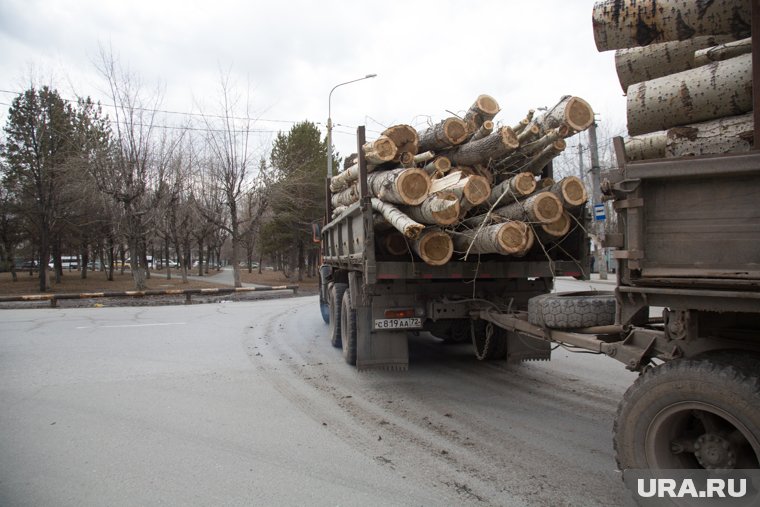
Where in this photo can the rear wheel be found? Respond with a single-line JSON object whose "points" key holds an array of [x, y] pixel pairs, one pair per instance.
{"points": [[691, 414], [348, 329], [335, 295]]}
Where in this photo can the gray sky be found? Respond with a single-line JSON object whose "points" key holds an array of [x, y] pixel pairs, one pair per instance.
{"points": [[430, 56]]}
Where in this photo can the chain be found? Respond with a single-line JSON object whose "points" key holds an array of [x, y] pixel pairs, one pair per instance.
{"points": [[487, 345]]}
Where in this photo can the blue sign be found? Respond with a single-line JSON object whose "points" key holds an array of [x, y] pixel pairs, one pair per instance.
{"points": [[599, 213]]}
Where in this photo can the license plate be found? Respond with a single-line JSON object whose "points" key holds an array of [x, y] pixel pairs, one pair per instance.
{"points": [[410, 323]]}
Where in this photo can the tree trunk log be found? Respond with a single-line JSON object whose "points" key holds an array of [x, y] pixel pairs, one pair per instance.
{"points": [[380, 151], [705, 93], [574, 112], [437, 209], [524, 122], [538, 162], [397, 219], [646, 146], [449, 132], [620, 24], [345, 179], [544, 207], [483, 109], [483, 151], [405, 138], [393, 243], [640, 64], [438, 167], [555, 231], [529, 133], [508, 238], [434, 246], [422, 158], [485, 129], [515, 188], [570, 191], [345, 197], [408, 186], [723, 52]]}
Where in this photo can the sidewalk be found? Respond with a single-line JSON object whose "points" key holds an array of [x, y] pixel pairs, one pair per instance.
{"points": [[223, 277]]}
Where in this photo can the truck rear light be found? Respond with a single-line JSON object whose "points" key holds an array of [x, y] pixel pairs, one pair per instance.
{"points": [[404, 313]]}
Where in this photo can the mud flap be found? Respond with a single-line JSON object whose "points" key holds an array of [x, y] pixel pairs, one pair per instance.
{"points": [[379, 350], [524, 348]]}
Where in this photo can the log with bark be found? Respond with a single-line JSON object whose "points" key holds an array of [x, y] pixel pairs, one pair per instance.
{"points": [[438, 209], [573, 112], [705, 93], [485, 129], [405, 138], [447, 133], [483, 151], [537, 163], [570, 190], [393, 243], [508, 238], [408, 186], [434, 247], [397, 219], [723, 51], [524, 122], [543, 207], [548, 234], [483, 109], [379, 151], [438, 167], [620, 24], [639, 64], [732, 134], [513, 189]]}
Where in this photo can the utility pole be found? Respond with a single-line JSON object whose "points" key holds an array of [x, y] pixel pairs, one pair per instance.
{"points": [[600, 258]]}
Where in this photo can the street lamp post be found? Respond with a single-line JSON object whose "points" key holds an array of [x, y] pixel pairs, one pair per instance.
{"points": [[329, 122]]}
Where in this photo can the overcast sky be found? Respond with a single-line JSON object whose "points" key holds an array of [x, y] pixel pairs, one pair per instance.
{"points": [[429, 56]]}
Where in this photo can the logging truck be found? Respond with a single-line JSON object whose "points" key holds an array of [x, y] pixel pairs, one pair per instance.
{"points": [[685, 312]]}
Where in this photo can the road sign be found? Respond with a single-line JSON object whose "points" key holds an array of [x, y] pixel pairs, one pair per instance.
{"points": [[599, 213]]}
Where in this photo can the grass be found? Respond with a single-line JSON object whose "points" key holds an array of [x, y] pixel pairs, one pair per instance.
{"points": [[72, 283]]}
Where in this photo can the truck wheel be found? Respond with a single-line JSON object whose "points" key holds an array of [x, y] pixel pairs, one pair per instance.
{"points": [[324, 305], [348, 329], [335, 293], [572, 310], [690, 414]]}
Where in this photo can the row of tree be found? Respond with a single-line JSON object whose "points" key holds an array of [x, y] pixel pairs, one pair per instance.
{"points": [[76, 180]]}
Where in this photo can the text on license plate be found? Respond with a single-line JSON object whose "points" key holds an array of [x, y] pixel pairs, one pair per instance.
{"points": [[410, 323]]}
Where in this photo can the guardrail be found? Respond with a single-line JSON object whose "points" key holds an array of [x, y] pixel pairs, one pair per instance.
{"points": [[188, 293]]}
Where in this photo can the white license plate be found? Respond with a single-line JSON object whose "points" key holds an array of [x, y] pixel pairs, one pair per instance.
{"points": [[411, 323]]}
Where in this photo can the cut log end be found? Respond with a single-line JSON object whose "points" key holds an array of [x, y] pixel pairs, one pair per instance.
{"points": [[455, 130], [509, 138], [547, 208], [573, 191], [413, 186], [512, 237], [435, 248], [381, 150], [524, 183], [558, 228], [477, 190], [487, 105], [578, 114], [404, 137], [395, 244]]}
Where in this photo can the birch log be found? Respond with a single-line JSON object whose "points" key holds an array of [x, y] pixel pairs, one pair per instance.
{"points": [[639, 64], [397, 219], [544, 207], [434, 246], [515, 188], [724, 135], [508, 238], [345, 197], [485, 129], [380, 151], [437, 209], [405, 138], [723, 51], [484, 108], [423, 158], [408, 186], [492, 147], [574, 112], [438, 167], [552, 233], [570, 191], [705, 93], [447, 133], [620, 24], [345, 179]]}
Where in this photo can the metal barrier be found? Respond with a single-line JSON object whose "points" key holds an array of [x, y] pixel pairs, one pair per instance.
{"points": [[188, 293]]}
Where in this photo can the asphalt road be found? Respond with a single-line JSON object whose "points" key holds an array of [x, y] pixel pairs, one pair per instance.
{"points": [[248, 404]]}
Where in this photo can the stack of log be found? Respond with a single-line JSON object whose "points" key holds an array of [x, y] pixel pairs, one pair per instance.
{"points": [[468, 185], [686, 68]]}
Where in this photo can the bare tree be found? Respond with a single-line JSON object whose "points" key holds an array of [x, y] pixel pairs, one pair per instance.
{"points": [[228, 165]]}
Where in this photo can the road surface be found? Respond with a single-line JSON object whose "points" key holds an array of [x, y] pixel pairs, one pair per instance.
{"points": [[248, 404]]}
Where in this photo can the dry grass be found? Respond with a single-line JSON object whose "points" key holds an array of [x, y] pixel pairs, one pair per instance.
{"points": [[96, 281]]}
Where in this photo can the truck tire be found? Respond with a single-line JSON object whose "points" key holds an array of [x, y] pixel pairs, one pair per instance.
{"points": [[691, 414], [336, 297], [348, 329], [324, 305], [572, 310]]}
